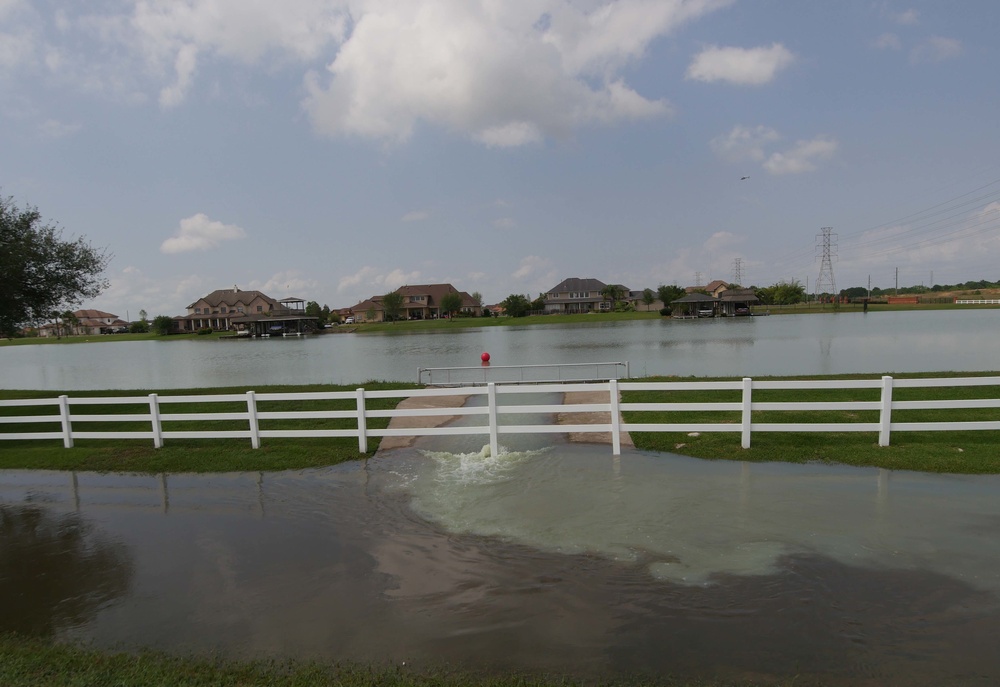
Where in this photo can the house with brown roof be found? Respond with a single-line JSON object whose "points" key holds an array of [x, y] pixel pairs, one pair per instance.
{"points": [[420, 302], [249, 313], [713, 288], [87, 322]]}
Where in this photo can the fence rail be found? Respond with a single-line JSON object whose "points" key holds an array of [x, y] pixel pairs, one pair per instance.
{"points": [[253, 422]]}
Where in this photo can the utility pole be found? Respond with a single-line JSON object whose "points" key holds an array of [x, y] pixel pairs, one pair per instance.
{"points": [[697, 280], [737, 272], [826, 241], [897, 282]]}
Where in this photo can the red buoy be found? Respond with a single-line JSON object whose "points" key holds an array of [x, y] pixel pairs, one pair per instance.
{"points": [[485, 357]]}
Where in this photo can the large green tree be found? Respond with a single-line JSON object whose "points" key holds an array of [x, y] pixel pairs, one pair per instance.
{"points": [[516, 305], [40, 272], [392, 305], [451, 303]]}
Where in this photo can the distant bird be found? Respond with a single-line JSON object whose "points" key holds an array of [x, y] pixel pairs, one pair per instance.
{"points": [[745, 178]]}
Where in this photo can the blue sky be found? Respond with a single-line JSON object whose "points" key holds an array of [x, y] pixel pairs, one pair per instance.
{"points": [[337, 149]]}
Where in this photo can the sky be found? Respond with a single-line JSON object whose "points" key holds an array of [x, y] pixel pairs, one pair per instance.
{"points": [[333, 150]]}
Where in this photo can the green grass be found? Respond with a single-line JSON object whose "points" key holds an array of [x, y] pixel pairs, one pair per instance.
{"points": [[192, 455], [947, 452], [107, 338], [969, 452], [26, 662]]}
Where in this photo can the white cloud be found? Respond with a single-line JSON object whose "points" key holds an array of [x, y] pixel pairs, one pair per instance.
{"points": [[743, 66], [802, 157], [286, 284], [907, 17], [504, 74], [16, 49], [744, 143], [415, 216], [184, 67], [52, 128], [530, 266], [888, 41], [198, 232], [504, 223], [936, 49], [370, 281], [722, 240]]}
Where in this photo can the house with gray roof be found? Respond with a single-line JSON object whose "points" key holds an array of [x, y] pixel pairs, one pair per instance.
{"points": [[575, 295]]}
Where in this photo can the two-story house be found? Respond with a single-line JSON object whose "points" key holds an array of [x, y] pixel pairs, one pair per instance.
{"points": [[576, 295], [218, 309]]}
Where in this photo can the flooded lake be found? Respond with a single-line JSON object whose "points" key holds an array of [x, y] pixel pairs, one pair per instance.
{"points": [[877, 343], [549, 558]]}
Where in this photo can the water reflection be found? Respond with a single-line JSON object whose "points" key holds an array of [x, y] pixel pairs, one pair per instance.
{"points": [[56, 571], [558, 560]]}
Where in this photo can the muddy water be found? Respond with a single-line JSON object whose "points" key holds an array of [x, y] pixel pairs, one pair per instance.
{"points": [[562, 560]]}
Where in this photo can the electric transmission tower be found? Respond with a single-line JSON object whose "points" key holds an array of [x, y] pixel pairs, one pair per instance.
{"points": [[737, 272], [827, 241]]}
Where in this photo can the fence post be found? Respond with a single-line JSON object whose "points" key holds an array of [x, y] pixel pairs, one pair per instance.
{"points": [[154, 418], [252, 416], [491, 397], [362, 422], [885, 415], [747, 405], [67, 427], [616, 425]]}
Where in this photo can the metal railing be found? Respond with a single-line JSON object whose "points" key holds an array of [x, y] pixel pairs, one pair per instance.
{"points": [[522, 374]]}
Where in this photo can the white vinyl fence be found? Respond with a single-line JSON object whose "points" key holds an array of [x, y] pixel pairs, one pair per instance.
{"points": [[63, 422]]}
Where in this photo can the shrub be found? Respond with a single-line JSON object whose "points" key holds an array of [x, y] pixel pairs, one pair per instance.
{"points": [[666, 312], [204, 330]]}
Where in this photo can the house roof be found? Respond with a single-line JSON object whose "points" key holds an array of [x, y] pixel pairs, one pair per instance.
{"points": [[697, 298], [574, 284], [232, 297], [93, 314], [740, 295]]}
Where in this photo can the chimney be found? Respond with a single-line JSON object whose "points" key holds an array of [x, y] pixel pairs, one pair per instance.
{"points": [[236, 289]]}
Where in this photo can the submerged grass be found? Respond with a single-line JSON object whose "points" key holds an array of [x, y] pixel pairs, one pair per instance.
{"points": [[29, 662], [970, 452]]}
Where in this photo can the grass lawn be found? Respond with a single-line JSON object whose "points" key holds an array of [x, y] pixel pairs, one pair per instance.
{"points": [[949, 451], [954, 452], [27, 662]]}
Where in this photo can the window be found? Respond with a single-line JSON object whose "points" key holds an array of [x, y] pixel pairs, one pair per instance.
{"points": [[197, 311], [260, 308], [223, 309], [239, 308]]}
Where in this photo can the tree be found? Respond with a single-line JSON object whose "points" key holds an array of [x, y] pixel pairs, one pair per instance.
{"points": [[451, 303], [613, 293], [478, 298], [162, 324], [392, 304], [669, 294], [39, 271], [516, 305], [71, 321], [139, 327], [538, 305], [648, 297], [143, 317]]}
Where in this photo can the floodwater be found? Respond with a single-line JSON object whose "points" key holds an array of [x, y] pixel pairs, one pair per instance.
{"points": [[559, 560], [549, 558], [877, 343]]}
